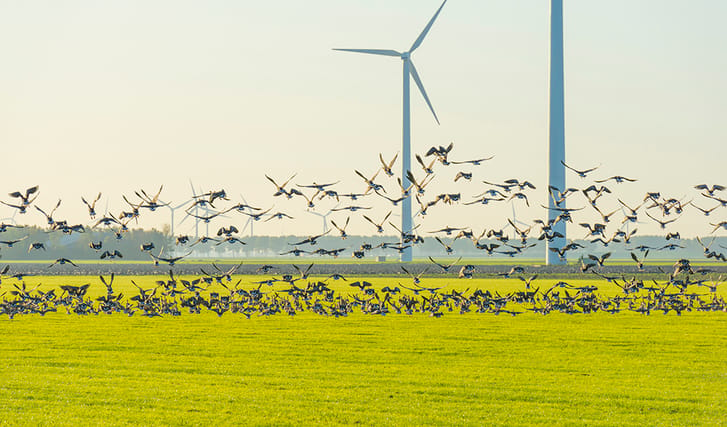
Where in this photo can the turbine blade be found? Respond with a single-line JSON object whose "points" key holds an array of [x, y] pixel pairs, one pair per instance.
{"points": [[194, 194], [420, 39], [183, 219], [415, 75], [384, 52]]}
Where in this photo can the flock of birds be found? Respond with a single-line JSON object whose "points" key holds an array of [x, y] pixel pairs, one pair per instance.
{"points": [[685, 289], [383, 185]]}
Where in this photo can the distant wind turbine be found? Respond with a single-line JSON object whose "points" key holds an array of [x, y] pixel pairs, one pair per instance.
{"points": [[197, 207], [325, 218], [171, 211], [409, 70], [11, 219], [250, 220]]}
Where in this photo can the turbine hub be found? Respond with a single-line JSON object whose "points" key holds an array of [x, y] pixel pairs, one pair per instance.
{"points": [[405, 56]]}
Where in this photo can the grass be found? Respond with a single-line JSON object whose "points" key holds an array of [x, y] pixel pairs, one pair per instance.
{"points": [[472, 369]]}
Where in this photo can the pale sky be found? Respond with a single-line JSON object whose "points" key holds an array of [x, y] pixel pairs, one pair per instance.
{"points": [[118, 96]]}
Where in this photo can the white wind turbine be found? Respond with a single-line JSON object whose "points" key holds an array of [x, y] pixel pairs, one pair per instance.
{"points": [[324, 216], [250, 220], [197, 208], [171, 211], [10, 219], [409, 70]]}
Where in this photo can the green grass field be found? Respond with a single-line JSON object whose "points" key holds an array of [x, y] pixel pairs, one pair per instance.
{"points": [[473, 369]]}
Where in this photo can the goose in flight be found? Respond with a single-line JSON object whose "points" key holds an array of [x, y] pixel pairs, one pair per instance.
{"points": [[606, 217], [10, 243], [342, 230], [230, 240], [617, 178], [111, 255], [419, 185], [427, 168], [505, 186], [295, 252], [310, 201], [210, 197], [484, 200], [600, 259], [319, 187], [312, 240], [520, 196], [49, 216], [416, 278], [447, 230], [36, 246], [21, 208], [581, 173], [370, 182], [203, 240], [558, 196], [489, 248], [280, 189], [25, 197], [380, 225], [719, 225], [663, 224], [169, 260], [710, 189], [475, 162], [209, 216], [447, 247], [150, 202], [445, 267], [62, 261], [522, 185], [441, 153], [394, 202], [467, 176], [258, 215], [360, 284], [706, 212], [387, 166], [528, 281], [227, 231], [639, 262], [350, 208], [4, 227]]}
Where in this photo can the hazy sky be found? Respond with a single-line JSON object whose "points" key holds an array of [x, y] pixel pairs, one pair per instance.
{"points": [[118, 96]]}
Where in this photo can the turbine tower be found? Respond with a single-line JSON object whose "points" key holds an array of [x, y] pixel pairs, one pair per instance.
{"points": [[409, 70], [556, 147]]}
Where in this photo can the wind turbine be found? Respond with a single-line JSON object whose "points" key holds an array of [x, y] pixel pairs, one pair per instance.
{"points": [[556, 147], [10, 219], [250, 220], [325, 218], [197, 207], [171, 211], [409, 70]]}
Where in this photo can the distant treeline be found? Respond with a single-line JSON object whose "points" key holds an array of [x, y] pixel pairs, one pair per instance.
{"points": [[75, 246]]}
